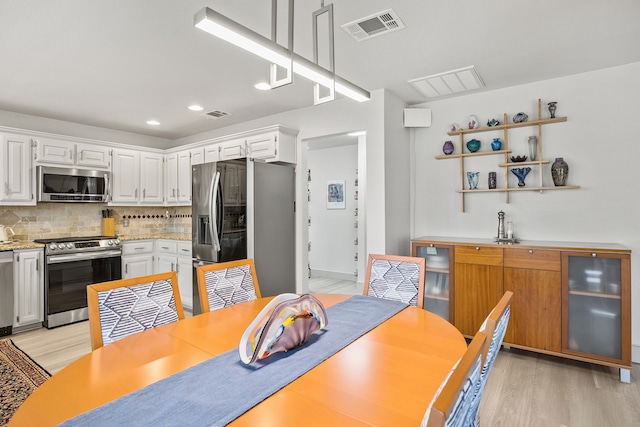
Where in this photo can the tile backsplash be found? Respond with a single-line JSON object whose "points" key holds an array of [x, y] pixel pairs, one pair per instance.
{"points": [[50, 220]]}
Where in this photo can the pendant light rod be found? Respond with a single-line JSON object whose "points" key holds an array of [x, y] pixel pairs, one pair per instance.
{"points": [[227, 29]]}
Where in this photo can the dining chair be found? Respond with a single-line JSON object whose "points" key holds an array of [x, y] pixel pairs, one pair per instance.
{"points": [[124, 307], [452, 403], [398, 278], [227, 283], [495, 327]]}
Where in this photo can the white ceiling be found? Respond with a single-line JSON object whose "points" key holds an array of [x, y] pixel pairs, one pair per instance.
{"points": [[118, 63]]}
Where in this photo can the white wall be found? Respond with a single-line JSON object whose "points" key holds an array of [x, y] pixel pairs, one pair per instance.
{"points": [[332, 231], [598, 141]]}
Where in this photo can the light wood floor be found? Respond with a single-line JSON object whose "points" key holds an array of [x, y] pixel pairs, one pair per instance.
{"points": [[524, 389]]}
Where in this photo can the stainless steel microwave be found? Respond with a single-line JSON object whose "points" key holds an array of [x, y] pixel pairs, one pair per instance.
{"points": [[70, 185]]}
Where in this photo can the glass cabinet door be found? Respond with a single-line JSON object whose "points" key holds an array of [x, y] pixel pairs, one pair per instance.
{"points": [[594, 315], [437, 295]]}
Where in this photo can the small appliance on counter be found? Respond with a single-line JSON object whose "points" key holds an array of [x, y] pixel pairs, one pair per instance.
{"points": [[6, 293]]}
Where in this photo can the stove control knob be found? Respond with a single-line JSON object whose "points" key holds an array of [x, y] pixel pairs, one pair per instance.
{"points": [[117, 241], [53, 247], [60, 246], [110, 242], [69, 245]]}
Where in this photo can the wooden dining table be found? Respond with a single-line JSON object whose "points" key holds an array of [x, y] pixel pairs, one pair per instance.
{"points": [[386, 377]]}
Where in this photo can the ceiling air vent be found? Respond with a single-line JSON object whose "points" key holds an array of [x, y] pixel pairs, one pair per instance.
{"points": [[217, 114], [375, 25]]}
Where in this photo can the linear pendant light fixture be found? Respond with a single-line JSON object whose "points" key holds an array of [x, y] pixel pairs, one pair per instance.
{"points": [[220, 26]]}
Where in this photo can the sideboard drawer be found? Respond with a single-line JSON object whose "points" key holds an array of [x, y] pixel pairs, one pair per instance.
{"points": [[534, 259], [478, 255]]}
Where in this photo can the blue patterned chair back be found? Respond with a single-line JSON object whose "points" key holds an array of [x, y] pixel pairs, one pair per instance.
{"points": [[453, 402], [495, 326], [397, 278], [224, 284], [124, 307]]}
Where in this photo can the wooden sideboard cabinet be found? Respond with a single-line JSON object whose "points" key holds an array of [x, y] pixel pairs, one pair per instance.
{"points": [[571, 300]]}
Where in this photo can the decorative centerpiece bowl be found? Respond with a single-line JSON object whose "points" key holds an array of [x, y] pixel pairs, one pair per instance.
{"points": [[518, 159], [473, 145]]}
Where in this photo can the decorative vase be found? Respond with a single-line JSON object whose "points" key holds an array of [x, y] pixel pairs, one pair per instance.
{"points": [[473, 180], [559, 172], [552, 109], [473, 145], [496, 145], [521, 173], [492, 180], [533, 147], [447, 148]]}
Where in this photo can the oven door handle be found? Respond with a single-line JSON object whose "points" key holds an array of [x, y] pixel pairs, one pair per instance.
{"points": [[56, 259]]}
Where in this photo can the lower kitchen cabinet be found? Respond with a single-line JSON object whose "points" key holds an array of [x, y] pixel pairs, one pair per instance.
{"points": [[570, 300], [175, 256], [28, 279], [137, 258]]}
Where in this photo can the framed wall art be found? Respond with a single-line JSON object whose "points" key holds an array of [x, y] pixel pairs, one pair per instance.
{"points": [[336, 194]]}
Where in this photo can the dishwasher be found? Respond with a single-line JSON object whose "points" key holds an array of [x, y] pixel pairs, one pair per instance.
{"points": [[6, 292]]}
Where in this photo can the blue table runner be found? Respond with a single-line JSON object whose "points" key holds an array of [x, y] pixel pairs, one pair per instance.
{"points": [[219, 390]]}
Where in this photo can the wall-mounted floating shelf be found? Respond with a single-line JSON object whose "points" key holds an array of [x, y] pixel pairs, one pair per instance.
{"points": [[506, 164]]}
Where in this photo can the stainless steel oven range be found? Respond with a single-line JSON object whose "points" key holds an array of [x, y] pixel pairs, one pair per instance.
{"points": [[71, 264]]}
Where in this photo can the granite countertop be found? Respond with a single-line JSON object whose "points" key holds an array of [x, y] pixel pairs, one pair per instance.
{"points": [[28, 244], [20, 244], [169, 236]]}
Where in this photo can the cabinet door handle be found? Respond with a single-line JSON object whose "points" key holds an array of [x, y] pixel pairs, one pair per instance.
{"points": [[144, 193], [6, 188], [477, 248], [530, 251], [136, 194], [431, 245], [594, 254], [172, 267]]}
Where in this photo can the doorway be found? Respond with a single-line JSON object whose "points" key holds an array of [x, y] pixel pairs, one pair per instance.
{"points": [[335, 208]]}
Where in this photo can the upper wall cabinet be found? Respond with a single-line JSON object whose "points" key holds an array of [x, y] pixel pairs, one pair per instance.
{"points": [[137, 178], [178, 178], [18, 176], [272, 147], [67, 153], [277, 145]]}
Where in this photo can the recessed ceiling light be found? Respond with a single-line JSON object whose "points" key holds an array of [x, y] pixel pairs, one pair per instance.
{"points": [[263, 86], [153, 122], [195, 108]]}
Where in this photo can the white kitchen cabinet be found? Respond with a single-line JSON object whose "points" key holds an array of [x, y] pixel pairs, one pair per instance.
{"points": [[137, 258], [233, 149], [151, 178], [197, 156], [28, 278], [54, 151], [59, 152], [178, 178], [16, 170], [137, 178], [212, 153], [175, 256], [92, 155], [272, 146]]}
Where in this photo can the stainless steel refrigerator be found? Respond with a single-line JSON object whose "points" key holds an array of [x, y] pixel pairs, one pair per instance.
{"points": [[245, 209]]}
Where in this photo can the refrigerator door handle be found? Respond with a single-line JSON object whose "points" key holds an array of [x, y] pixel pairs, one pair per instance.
{"points": [[213, 199]]}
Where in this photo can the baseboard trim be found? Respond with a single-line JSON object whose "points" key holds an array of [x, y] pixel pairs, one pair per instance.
{"points": [[333, 275]]}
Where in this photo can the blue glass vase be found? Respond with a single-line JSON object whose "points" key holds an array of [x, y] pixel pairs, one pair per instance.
{"points": [[521, 173], [473, 179], [496, 145]]}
